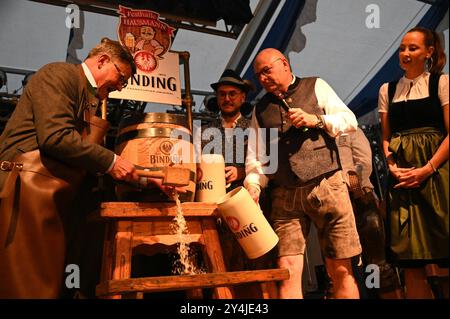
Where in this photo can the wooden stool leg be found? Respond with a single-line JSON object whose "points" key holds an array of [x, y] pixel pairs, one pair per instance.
{"points": [[108, 252], [215, 256], [438, 280], [108, 256], [416, 284], [123, 248], [133, 295], [194, 293], [269, 290]]}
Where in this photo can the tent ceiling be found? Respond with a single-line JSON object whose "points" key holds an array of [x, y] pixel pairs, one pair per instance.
{"points": [[192, 15]]}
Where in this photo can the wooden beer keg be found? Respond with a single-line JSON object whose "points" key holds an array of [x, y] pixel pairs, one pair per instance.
{"points": [[153, 141]]}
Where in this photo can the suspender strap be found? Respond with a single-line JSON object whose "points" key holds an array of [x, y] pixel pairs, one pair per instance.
{"points": [[433, 87], [391, 91]]}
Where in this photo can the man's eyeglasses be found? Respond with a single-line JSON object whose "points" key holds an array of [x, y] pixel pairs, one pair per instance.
{"points": [[266, 71], [123, 79], [231, 94]]}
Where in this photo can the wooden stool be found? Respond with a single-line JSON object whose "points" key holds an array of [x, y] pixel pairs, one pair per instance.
{"points": [[438, 280], [133, 224]]}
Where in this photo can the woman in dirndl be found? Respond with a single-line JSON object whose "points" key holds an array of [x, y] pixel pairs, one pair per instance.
{"points": [[414, 121]]}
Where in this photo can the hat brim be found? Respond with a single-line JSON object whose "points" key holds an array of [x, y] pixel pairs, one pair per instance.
{"points": [[244, 87]]}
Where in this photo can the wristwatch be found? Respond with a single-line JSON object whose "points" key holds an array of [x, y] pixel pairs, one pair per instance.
{"points": [[319, 123]]}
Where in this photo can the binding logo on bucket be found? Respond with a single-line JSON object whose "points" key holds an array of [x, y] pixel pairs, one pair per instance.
{"points": [[233, 222], [246, 231]]}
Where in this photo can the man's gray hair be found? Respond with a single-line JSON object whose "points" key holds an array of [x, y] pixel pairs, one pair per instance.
{"points": [[115, 50]]}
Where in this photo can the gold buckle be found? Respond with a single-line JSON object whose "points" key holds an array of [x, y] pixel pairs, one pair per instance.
{"points": [[5, 166], [9, 166]]}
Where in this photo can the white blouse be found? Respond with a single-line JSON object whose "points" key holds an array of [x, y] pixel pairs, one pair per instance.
{"points": [[412, 89]]}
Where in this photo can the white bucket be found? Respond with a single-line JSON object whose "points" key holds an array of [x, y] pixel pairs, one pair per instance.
{"points": [[246, 220], [211, 185]]}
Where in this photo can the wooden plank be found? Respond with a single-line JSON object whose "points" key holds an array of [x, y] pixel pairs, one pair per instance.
{"points": [[213, 251], [163, 226], [172, 283], [137, 209], [167, 240]]}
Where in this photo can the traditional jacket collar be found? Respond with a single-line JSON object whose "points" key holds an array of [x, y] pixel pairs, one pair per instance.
{"points": [[91, 84], [88, 91]]}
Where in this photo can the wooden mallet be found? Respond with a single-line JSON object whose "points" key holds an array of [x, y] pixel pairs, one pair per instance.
{"points": [[171, 176]]}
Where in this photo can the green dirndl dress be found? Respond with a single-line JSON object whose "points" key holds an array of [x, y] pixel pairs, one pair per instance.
{"points": [[418, 218]]}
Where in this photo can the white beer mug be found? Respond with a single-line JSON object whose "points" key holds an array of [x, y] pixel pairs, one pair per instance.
{"points": [[246, 220], [211, 184]]}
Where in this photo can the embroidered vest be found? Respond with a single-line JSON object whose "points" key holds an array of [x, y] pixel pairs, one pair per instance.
{"points": [[302, 156]]}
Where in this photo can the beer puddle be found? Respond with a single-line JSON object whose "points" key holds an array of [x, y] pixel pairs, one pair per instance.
{"points": [[185, 265]]}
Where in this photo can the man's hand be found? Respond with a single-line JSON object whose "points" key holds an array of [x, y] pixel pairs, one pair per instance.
{"points": [[254, 192], [123, 170], [168, 190], [300, 118], [233, 173]]}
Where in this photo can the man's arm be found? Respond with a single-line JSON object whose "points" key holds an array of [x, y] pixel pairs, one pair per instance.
{"points": [[255, 178], [54, 102], [338, 117]]}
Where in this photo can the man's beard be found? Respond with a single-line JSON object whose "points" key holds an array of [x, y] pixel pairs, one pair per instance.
{"points": [[230, 114]]}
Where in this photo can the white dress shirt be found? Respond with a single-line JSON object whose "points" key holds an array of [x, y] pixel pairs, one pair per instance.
{"points": [[89, 75]]}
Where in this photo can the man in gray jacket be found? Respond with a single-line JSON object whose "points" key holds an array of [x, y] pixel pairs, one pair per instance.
{"points": [[43, 156]]}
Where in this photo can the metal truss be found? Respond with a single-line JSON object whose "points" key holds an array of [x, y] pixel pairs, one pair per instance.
{"points": [[110, 8]]}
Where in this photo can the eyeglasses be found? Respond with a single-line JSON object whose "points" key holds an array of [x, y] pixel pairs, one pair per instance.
{"points": [[266, 71], [231, 94], [123, 79]]}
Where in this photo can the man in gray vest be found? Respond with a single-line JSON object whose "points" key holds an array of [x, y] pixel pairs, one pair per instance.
{"points": [[308, 183]]}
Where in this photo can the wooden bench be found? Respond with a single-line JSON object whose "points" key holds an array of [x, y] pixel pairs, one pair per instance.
{"points": [[135, 287], [133, 225]]}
